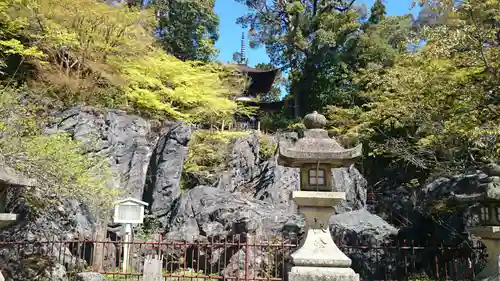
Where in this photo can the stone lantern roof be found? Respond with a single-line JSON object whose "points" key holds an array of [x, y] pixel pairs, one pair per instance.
{"points": [[484, 187], [317, 147]]}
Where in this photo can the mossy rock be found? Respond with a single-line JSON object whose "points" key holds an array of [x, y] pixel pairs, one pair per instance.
{"points": [[208, 150]]}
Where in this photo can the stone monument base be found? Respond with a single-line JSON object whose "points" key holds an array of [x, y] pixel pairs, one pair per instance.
{"points": [[490, 236], [302, 273]]}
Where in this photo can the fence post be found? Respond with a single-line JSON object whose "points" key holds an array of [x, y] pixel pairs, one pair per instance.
{"points": [[246, 257], [436, 262], [99, 237]]}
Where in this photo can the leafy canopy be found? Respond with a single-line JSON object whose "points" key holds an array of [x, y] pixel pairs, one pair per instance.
{"points": [[436, 110], [58, 165], [106, 56], [188, 29], [322, 44]]}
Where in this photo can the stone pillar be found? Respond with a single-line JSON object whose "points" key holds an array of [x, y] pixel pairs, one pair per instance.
{"points": [[318, 258], [490, 236]]}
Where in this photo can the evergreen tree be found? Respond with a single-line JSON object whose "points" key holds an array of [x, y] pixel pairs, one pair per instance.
{"points": [[188, 29], [377, 13]]}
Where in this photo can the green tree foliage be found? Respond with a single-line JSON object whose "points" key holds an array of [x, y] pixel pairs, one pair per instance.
{"points": [[56, 163], [435, 111], [208, 150], [11, 33], [88, 53], [239, 59], [188, 29], [304, 37], [377, 12], [323, 44], [106, 56]]}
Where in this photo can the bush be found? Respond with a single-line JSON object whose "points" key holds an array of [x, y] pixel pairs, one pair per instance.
{"points": [[208, 150], [267, 147], [88, 52], [57, 163]]}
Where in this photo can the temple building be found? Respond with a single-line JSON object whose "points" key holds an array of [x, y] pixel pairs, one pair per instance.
{"points": [[261, 83]]}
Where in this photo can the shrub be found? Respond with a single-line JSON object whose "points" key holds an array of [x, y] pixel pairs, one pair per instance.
{"points": [[57, 163], [208, 150]]}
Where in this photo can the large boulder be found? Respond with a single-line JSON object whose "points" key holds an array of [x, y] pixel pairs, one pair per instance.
{"points": [[121, 138], [165, 169], [265, 180], [360, 228], [207, 214], [210, 212], [124, 141], [350, 181], [251, 198]]}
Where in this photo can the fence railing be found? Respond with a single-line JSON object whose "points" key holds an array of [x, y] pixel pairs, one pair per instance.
{"points": [[242, 257], [233, 126]]}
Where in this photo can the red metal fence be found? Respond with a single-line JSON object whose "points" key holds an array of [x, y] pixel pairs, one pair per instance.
{"points": [[242, 257]]}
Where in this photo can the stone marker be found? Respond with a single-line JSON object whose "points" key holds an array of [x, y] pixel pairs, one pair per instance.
{"points": [[318, 258], [153, 268]]}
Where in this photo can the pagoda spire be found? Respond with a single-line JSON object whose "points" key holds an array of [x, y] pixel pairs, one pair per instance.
{"points": [[242, 50]]}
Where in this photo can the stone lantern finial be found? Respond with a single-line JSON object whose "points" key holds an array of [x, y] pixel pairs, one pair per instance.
{"points": [[314, 120]]}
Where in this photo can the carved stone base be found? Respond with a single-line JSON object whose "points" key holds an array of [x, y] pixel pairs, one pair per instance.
{"points": [[490, 236], [318, 258], [491, 271], [319, 250], [299, 273]]}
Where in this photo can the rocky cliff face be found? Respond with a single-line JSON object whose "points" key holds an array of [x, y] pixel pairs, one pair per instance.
{"points": [[251, 196]]}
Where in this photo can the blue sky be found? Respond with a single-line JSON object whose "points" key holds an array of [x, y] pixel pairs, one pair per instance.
{"points": [[230, 33]]}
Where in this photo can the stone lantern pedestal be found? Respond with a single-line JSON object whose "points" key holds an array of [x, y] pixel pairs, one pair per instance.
{"points": [[490, 236], [318, 258]]}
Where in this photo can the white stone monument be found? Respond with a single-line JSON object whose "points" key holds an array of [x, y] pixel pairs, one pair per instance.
{"points": [[318, 258], [153, 268], [10, 178]]}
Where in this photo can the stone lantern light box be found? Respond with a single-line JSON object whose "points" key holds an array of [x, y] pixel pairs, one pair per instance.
{"points": [[489, 213], [129, 211]]}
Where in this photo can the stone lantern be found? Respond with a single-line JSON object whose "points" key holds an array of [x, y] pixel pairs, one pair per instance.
{"points": [[318, 258], [489, 225]]}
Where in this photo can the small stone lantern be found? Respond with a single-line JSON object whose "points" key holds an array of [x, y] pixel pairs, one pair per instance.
{"points": [[489, 228], [318, 258]]}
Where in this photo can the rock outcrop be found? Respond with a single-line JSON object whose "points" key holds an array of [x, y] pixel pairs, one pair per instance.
{"points": [[121, 138], [207, 212], [362, 228], [251, 197], [165, 169]]}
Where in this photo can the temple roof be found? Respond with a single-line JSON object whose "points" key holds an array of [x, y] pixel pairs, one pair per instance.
{"points": [[316, 146], [261, 80]]}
